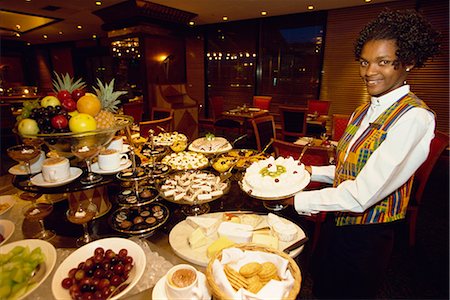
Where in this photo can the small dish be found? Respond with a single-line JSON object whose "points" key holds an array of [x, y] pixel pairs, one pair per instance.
{"points": [[47, 249], [6, 230], [83, 253], [96, 168], [39, 180], [6, 203], [159, 291]]}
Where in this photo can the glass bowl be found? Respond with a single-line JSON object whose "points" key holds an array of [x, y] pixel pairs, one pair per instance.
{"points": [[62, 142]]}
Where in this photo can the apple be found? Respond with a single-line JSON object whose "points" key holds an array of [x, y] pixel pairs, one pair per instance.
{"points": [[77, 94], [63, 95], [59, 122], [28, 127], [82, 122], [50, 101], [69, 105]]}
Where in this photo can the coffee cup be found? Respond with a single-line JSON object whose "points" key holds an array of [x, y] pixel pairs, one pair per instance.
{"points": [[182, 283], [55, 169], [110, 159], [116, 144]]}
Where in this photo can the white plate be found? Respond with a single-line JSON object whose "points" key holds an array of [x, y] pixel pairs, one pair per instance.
{"points": [[6, 230], [83, 253], [159, 291], [7, 199], [39, 180], [201, 145], [178, 240], [96, 168], [125, 148], [47, 249]]}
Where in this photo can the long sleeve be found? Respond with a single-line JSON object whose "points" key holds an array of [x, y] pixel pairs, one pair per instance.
{"points": [[405, 148]]}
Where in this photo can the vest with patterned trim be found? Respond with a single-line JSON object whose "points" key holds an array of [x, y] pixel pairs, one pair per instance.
{"points": [[393, 207]]}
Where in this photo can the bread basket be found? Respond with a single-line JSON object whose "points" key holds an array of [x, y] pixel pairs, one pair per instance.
{"points": [[292, 266]]}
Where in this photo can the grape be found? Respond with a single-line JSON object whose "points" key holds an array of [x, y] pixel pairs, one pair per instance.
{"points": [[67, 282]]}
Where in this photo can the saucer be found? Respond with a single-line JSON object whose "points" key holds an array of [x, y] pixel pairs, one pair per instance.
{"points": [[39, 180], [159, 291], [96, 168], [17, 170]]}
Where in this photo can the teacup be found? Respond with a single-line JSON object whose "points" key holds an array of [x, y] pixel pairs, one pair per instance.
{"points": [[182, 283], [111, 159], [116, 144], [55, 169]]}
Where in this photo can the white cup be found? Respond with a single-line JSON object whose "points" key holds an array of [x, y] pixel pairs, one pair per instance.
{"points": [[110, 159], [116, 144], [55, 169], [182, 283]]}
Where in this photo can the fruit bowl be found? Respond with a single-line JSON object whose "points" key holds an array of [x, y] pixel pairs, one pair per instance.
{"points": [[62, 142]]}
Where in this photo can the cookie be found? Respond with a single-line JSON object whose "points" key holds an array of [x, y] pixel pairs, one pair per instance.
{"points": [[268, 270], [250, 269], [236, 280], [254, 285]]}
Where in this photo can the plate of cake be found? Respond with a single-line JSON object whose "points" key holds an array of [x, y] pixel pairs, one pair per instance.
{"points": [[208, 145], [275, 179]]}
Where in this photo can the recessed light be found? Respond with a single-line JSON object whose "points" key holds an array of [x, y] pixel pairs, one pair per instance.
{"points": [[27, 0], [60, 33], [264, 13], [310, 7], [28, 44], [79, 27], [225, 18], [98, 3], [367, 1], [94, 36], [45, 36], [191, 23], [17, 34]]}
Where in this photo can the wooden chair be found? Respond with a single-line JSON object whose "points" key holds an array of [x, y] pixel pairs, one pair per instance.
{"points": [[293, 122], [219, 122], [158, 126], [134, 109], [262, 102], [339, 123], [264, 130], [439, 143], [158, 113], [313, 156]]}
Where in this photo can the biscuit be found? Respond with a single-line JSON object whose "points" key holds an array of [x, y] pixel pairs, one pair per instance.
{"points": [[255, 286], [236, 280], [250, 269], [268, 270]]}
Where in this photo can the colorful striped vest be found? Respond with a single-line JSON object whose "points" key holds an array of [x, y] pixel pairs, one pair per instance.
{"points": [[393, 207]]}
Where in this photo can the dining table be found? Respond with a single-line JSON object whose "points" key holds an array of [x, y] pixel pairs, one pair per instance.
{"points": [[157, 241], [244, 115]]}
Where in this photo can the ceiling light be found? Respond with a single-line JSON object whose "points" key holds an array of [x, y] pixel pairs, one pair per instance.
{"points": [[79, 27], [264, 13], [367, 1], [17, 34], [60, 33], [191, 23], [27, 0], [310, 7], [45, 36], [98, 3], [28, 44], [94, 36], [225, 18]]}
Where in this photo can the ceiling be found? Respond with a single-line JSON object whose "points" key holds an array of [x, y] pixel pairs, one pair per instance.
{"points": [[72, 13]]}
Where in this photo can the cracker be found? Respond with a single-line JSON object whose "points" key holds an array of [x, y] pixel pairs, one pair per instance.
{"points": [[255, 286], [236, 280], [268, 270], [250, 269]]}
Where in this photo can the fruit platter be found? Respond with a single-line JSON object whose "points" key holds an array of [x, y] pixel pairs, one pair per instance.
{"points": [[71, 115]]}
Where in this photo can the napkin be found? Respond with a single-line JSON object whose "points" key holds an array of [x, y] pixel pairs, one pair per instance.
{"points": [[236, 258]]}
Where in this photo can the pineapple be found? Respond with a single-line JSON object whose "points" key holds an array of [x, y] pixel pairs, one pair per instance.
{"points": [[66, 83], [105, 92]]}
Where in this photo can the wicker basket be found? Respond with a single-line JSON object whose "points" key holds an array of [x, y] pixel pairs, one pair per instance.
{"points": [[292, 266]]}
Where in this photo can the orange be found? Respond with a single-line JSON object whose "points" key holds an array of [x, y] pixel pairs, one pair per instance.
{"points": [[89, 104]]}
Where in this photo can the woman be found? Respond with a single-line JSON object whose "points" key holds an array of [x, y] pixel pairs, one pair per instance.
{"points": [[383, 145]]}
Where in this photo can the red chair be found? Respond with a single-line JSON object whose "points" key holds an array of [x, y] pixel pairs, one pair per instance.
{"points": [[313, 156], [219, 122], [262, 102], [134, 109], [339, 124], [439, 143], [321, 107], [293, 122], [264, 130]]}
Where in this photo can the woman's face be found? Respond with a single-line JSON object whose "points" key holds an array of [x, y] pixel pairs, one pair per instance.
{"points": [[379, 68]]}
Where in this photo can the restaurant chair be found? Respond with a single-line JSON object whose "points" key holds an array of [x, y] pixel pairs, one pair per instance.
{"points": [[158, 126], [134, 109], [219, 122], [158, 113], [293, 122], [339, 123], [264, 130], [320, 107], [317, 109], [439, 143], [262, 102], [313, 156]]}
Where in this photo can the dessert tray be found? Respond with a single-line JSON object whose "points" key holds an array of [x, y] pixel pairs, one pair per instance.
{"points": [[139, 220], [128, 197], [186, 160], [179, 235], [243, 157], [210, 146], [168, 138], [158, 169]]}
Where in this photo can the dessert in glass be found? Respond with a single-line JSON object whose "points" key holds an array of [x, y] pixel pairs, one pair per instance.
{"points": [[24, 154], [81, 215], [87, 151], [37, 211]]}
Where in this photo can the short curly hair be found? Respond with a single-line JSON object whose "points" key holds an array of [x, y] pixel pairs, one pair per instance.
{"points": [[416, 40]]}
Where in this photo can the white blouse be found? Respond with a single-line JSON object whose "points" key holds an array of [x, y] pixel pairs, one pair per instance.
{"points": [[405, 148]]}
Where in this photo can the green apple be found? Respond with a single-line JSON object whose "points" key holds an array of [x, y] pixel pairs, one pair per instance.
{"points": [[28, 127], [50, 101], [82, 122]]}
